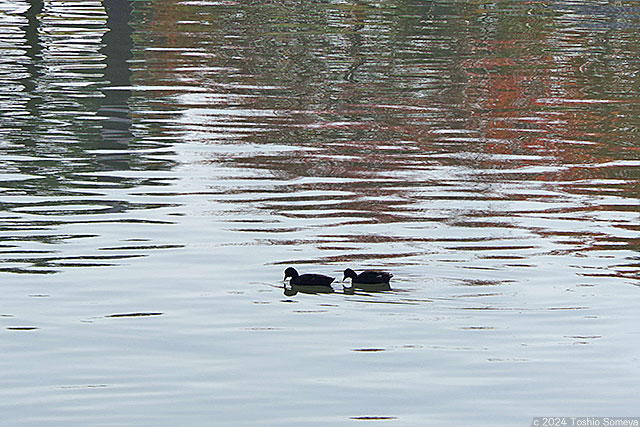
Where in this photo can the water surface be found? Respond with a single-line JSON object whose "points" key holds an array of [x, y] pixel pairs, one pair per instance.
{"points": [[164, 161]]}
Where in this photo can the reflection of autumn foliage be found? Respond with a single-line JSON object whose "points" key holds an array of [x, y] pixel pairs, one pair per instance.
{"points": [[386, 104], [504, 91], [535, 104]]}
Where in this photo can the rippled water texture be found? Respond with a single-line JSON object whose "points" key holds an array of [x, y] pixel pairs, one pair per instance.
{"points": [[163, 162]]}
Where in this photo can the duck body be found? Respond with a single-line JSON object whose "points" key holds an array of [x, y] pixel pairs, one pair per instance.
{"points": [[368, 277], [308, 280]]}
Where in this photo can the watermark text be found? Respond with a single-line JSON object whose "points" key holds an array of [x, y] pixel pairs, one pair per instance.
{"points": [[586, 422]]}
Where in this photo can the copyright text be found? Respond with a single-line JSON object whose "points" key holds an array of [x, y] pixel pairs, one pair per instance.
{"points": [[586, 422]]}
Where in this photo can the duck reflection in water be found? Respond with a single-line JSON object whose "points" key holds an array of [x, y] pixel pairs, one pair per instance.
{"points": [[368, 281], [309, 283]]}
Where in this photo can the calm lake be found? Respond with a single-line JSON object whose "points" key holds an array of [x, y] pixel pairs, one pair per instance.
{"points": [[163, 162]]}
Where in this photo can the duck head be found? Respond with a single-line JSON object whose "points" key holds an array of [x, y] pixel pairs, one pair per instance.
{"points": [[349, 273], [290, 272]]}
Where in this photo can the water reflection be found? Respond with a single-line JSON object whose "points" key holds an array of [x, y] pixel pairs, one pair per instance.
{"points": [[380, 139], [502, 150], [367, 287], [114, 112], [292, 290], [63, 130]]}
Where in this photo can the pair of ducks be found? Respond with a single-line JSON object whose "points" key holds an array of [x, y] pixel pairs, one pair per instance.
{"points": [[368, 280]]}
